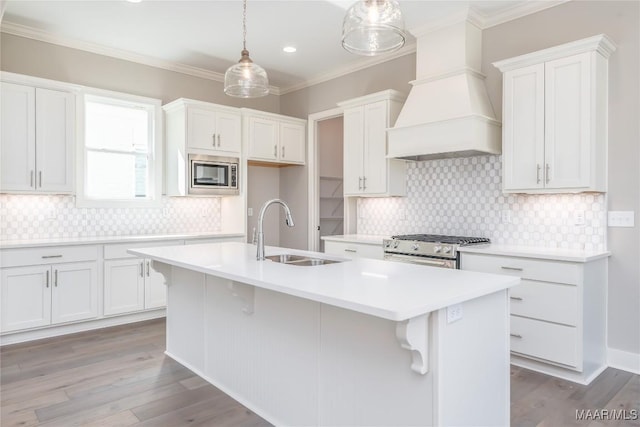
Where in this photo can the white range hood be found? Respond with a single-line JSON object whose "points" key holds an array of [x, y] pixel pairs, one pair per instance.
{"points": [[447, 112]]}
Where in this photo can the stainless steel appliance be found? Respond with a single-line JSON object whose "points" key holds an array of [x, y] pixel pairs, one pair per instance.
{"points": [[428, 249], [213, 175]]}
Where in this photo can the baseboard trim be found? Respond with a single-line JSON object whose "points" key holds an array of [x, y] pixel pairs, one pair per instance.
{"points": [[54, 331], [623, 360]]}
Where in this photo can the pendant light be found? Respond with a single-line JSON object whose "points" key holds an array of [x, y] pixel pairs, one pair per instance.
{"points": [[373, 27], [246, 79]]}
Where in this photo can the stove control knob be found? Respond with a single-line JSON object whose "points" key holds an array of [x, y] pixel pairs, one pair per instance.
{"points": [[437, 249], [415, 247], [446, 249], [395, 244]]}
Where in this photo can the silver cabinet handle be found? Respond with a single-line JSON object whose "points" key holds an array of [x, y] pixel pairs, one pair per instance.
{"points": [[283, 151], [538, 167], [548, 174], [31, 179], [511, 268], [40, 178], [47, 281], [351, 250], [516, 336], [213, 139], [148, 267], [516, 298], [51, 256], [275, 151], [55, 278], [218, 140], [359, 183], [364, 182], [141, 268]]}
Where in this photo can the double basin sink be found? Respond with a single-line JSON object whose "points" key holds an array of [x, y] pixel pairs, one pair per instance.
{"points": [[300, 260]]}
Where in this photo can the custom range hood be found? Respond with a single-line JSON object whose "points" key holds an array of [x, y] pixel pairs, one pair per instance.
{"points": [[447, 112]]}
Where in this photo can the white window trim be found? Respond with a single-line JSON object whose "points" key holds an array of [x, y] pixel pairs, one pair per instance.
{"points": [[156, 167]]}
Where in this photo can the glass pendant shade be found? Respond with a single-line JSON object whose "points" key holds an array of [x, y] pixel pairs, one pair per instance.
{"points": [[373, 27], [246, 79]]}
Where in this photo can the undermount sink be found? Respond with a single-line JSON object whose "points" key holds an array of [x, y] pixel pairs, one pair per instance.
{"points": [[300, 260]]}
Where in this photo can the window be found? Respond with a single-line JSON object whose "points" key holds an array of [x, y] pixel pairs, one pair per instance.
{"points": [[121, 157]]}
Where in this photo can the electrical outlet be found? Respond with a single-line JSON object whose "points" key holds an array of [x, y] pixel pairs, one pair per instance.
{"points": [[52, 213], [250, 212], [165, 212], [621, 219], [454, 313], [578, 218], [506, 216]]}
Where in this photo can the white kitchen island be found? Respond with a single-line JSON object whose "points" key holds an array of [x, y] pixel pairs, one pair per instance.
{"points": [[358, 343]]}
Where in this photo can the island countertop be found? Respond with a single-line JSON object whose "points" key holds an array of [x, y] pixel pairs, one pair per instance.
{"points": [[389, 290]]}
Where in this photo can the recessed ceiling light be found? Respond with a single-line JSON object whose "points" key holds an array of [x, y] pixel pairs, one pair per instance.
{"points": [[134, 1], [289, 49]]}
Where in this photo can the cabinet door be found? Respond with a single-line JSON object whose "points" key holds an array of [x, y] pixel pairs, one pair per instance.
{"points": [[123, 286], [263, 139], [568, 118], [292, 142], [375, 148], [523, 128], [155, 288], [18, 138], [353, 150], [228, 132], [74, 293], [201, 129], [25, 297], [55, 140]]}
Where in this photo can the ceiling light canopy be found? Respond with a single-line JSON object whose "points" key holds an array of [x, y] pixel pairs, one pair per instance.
{"points": [[373, 27], [246, 79]]}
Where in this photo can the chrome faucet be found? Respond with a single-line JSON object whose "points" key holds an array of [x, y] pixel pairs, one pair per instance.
{"points": [[288, 220]]}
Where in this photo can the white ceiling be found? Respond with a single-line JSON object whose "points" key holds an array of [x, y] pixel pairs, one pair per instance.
{"points": [[205, 37]]}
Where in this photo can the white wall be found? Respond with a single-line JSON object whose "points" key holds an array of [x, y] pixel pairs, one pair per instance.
{"points": [[263, 185]]}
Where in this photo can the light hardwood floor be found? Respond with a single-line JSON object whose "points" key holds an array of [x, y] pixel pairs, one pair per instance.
{"points": [[121, 377]]}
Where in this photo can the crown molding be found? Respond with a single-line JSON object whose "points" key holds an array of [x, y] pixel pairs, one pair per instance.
{"points": [[519, 11], [47, 37]]}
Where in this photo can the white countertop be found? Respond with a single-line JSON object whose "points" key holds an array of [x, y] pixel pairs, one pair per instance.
{"points": [[67, 241], [390, 290], [365, 239], [556, 254]]}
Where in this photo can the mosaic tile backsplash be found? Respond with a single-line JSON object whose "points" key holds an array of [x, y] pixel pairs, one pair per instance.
{"points": [[56, 216], [464, 197]]}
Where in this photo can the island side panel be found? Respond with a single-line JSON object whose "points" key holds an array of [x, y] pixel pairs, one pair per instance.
{"points": [[365, 376], [472, 355], [185, 318], [267, 360]]}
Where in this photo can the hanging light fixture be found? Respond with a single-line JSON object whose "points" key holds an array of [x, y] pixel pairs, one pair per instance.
{"points": [[373, 27], [245, 79]]}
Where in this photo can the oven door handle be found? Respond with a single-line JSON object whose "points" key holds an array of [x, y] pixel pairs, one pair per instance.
{"points": [[420, 260]]}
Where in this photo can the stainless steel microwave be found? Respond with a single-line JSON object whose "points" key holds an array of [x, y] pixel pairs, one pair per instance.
{"points": [[213, 175]]}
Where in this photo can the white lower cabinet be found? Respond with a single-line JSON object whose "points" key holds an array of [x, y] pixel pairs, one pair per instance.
{"points": [[354, 250], [558, 312], [42, 295]]}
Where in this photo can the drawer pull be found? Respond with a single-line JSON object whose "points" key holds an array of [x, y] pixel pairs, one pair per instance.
{"points": [[47, 282], [516, 336], [516, 298], [141, 268], [511, 268], [55, 278], [51, 256], [351, 250], [148, 267]]}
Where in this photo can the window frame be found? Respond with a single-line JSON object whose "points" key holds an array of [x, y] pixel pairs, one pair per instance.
{"points": [[154, 106]]}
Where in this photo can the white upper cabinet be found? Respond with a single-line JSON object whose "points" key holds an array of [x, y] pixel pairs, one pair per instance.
{"points": [[274, 138], [555, 118], [202, 127], [38, 137], [367, 170]]}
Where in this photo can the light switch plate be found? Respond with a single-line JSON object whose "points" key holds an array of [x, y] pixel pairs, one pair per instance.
{"points": [[621, 219], [454, 313]]}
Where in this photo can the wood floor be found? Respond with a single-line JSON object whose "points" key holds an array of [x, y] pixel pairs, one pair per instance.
{"points": [[121, 377]]}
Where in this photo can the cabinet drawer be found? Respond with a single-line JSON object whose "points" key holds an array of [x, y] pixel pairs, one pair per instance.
{"points": [[526, 268], [354, 250], [47, 255], [119, 250], [545, 301], [548, 341]]}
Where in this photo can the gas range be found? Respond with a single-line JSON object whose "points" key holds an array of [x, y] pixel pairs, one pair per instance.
{"points": [[431, 249]]}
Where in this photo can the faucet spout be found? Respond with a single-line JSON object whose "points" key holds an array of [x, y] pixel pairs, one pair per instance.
{"points": [[288, 221]]}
